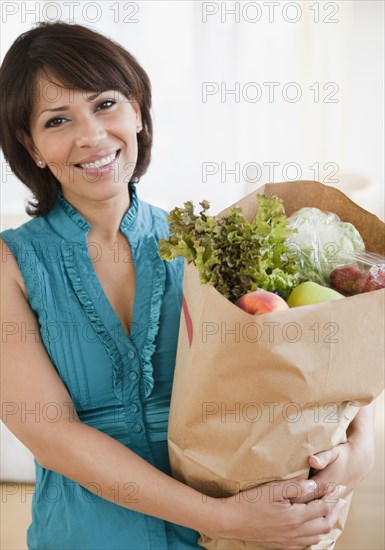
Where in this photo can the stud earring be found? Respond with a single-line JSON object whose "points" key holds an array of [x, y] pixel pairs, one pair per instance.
{"points": [[139, 128], [39, 163]]}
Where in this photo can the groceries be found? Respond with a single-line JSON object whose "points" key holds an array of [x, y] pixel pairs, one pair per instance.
{"points": [[261, 301], [255, 395], [361, 272], [311, 293], [232, 254], [320, 237], [306, 258]]}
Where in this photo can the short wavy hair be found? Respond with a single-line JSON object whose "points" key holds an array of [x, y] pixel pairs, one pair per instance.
{"points": [[82, 59]]}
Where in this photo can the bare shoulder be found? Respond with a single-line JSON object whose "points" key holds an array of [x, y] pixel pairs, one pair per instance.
{"points": [[29, 379], [10, 272]]}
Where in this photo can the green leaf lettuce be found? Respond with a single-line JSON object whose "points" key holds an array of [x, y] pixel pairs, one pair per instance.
{"points": [[232, 254]]}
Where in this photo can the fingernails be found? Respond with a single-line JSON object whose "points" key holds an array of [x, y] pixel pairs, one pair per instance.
{"points": [[316, 459], [311, 484]]}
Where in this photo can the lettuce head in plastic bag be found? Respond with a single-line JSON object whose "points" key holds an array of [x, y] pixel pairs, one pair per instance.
{"points": [[321, 242]]}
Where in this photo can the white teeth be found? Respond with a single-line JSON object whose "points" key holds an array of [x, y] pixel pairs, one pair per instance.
{"points": [[99, 163]]}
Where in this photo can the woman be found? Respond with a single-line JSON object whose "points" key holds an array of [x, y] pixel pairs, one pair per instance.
{"points": [[97, 313]]}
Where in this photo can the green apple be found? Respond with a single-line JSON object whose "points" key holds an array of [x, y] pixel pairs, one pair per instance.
{"points": [[311, 293]]}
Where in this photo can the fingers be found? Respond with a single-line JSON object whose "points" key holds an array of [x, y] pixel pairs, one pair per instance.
{"points": [[323, 525], [311, 522], [294, 489], [301, 490], [330, 491], [320, 460], [318, 508]]}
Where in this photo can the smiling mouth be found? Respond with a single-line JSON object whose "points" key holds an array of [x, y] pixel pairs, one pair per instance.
{"points": [[101, 163]]}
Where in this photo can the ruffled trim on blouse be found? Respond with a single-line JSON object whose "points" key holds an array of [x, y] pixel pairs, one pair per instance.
{"points": [[158, 288], [131, 214], [127, 220], [72, 212], [80, 291]]}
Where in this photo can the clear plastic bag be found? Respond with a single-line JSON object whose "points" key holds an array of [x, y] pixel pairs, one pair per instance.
{"points": [[320, 238], [358, 272]]}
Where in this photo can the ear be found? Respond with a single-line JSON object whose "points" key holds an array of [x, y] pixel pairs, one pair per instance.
{"points": [[27, 142]]}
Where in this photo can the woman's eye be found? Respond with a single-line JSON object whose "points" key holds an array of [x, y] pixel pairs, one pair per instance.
{"points": [[55, 122], [52, 123], [106, 104]]}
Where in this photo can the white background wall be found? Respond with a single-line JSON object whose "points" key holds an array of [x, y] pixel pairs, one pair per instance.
{"points": [[188, 46]]}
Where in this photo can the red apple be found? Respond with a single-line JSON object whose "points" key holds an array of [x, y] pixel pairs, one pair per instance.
{"points": [[261, 301]]}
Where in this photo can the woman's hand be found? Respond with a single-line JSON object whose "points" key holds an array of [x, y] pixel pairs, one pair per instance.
{"points": [[266, 515], [291, 514], [348, 463]]}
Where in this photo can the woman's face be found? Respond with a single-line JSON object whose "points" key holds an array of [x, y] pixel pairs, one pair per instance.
{"points": [[88, 141]]}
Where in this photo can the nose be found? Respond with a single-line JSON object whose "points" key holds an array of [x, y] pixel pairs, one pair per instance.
{"points": [[89, 132]]}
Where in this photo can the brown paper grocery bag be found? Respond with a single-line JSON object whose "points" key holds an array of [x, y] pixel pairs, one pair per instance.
{"points": [[254, 396]]}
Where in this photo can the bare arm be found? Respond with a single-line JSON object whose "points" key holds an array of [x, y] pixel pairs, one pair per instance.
{"points": [[86, 455], [362, 428], [29, 382]]}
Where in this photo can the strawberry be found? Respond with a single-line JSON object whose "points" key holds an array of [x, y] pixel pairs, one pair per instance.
{"points": [[373, 279], [343, 279], [362, 283]]}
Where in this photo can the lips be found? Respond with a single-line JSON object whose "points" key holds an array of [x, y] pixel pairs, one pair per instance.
{"points": [[101, 156], [97, 162]]}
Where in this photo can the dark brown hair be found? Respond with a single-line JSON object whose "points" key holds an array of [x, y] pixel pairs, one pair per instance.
{"points": [[82, 59]]}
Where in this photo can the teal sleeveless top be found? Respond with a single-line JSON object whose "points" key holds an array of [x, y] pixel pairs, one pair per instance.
{"points": [[119, 384]]}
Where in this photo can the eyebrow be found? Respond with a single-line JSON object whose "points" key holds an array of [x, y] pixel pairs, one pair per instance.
{"points": [[65, 107]]}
